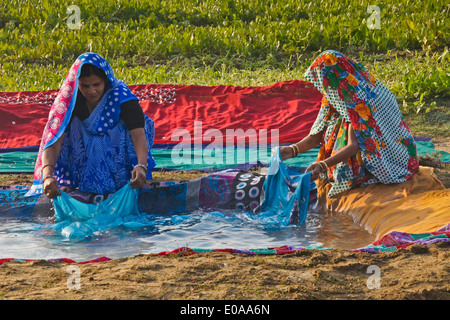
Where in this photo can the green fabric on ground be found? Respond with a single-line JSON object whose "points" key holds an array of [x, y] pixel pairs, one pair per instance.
{"points": [[17, 161], [12, 162], [427, 148]]}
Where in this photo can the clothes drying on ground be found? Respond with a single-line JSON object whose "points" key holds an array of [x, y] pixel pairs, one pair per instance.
{"points": [[283, 111], [22, 160], [419, 205]]}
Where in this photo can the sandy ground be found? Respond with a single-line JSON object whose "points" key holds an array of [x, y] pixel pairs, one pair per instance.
{"points": [[418, 272]]}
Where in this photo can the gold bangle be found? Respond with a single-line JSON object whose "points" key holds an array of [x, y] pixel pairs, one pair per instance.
{"points": [[295, 149], [323, 166]]}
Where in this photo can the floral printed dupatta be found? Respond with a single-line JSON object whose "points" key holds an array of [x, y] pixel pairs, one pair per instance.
{"points": [[351, 95]]}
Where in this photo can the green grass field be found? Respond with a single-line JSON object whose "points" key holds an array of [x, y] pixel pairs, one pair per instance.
{"points": [[240, 42]]}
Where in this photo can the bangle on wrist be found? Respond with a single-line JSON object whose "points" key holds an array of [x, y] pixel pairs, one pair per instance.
{"points": [[47, 165], [142, 166], [295, 149], [47, 177], [323, 166]]}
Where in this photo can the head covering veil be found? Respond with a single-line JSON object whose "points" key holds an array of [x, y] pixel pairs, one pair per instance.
{"points": [[351, 95], [107, 112]]}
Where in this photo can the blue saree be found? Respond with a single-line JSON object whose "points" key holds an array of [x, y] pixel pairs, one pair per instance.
{"points": [[97, 154]]}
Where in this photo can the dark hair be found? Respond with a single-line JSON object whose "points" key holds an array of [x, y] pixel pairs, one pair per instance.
{"points": [[89, 69]]}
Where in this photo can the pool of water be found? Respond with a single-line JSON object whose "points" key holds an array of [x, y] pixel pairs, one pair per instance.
{"points": [[24, 237]]}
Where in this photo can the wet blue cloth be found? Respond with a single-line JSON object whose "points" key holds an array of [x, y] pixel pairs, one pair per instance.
{"points": [[286, 202], [286, 194], [77, 220]]}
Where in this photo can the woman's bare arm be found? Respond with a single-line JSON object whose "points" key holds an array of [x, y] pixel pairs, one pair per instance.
{"points": [[139, 174], [307, 143], [345, 153], [49, 157]]}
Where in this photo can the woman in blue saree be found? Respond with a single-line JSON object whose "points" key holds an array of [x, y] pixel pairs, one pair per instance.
{"points": [[97, 138]]}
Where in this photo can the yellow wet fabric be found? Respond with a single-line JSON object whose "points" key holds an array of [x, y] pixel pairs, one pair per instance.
{"points": [[421, 204]]}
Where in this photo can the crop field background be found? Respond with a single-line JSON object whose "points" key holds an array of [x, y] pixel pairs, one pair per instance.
{"points": [[240, 42]]}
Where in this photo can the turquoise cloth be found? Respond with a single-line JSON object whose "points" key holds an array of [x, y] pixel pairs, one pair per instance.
{"points": [[198, 158], [286, 195], [286, 203], [77, 220], [427, 148], [18, 161]]}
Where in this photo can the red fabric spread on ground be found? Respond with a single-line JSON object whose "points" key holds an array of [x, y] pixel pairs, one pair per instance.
{"points": [[21, 125], [289, 107]]}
